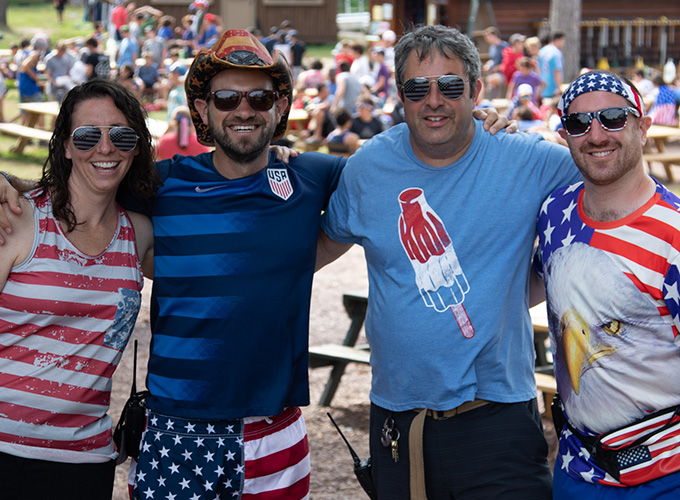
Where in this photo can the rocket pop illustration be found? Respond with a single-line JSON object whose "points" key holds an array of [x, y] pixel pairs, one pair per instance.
{"points": [[439, 275]]}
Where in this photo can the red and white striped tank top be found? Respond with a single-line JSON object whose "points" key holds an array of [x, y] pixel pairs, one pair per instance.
{"points": [[65, 318]]}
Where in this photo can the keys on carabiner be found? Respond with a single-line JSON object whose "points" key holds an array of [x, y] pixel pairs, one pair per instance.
{"points": [[389, 437], [395, 449]]}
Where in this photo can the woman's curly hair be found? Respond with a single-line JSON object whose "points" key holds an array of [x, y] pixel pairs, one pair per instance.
{"points": [[141, 179]]}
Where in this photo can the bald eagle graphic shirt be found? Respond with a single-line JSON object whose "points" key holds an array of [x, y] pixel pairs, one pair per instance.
{"points": [[613, 312]]}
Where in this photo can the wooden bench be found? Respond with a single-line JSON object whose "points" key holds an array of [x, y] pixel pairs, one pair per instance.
{"points": [[337, 149], [548, 386], [332, 353], [667, 158], [24, 134], [340, 355]]}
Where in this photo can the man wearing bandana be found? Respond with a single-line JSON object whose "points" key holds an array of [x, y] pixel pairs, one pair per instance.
{"points": [[609, 256]]}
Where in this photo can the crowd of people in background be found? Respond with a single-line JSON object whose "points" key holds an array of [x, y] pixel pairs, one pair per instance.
{"points": [[528, 73], [523, 76], [149, 53], [145, 50]]}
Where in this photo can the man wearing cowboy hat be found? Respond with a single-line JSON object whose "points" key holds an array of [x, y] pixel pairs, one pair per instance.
{"points": [[236, 233]]}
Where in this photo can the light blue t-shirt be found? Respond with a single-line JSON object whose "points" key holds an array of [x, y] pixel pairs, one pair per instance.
{"points": [[127, 52], [550, 58], [448, 252]]}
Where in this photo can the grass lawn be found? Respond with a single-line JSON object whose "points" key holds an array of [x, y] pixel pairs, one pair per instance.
{"points": [[36, 16]]}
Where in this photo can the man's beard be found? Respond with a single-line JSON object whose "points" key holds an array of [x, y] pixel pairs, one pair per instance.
{"points": [[241, 151]]}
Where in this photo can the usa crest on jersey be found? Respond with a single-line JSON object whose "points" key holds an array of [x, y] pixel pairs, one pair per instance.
{"points": [[279, 182]]}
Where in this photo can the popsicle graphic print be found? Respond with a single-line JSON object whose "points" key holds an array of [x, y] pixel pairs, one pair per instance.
{"points": [[439, 275]]}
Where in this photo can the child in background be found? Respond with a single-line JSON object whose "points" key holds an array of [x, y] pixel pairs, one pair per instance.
{"points": [[524, 97], [149, 75], [525, 74], [341, 140]]}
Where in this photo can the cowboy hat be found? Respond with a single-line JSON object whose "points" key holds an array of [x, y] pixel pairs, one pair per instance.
{"points": [[241, 50]]}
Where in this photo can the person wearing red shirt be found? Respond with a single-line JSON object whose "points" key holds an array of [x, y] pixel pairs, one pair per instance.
{"points": [[180, 137], [511, 54]]}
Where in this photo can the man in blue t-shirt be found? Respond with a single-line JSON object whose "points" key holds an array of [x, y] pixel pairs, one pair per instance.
{"points": [[551, 65], [446, 215]]}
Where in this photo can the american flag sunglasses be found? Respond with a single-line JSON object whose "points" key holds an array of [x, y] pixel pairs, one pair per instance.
{"points": [[415, 89], [611, 119], [86, 138]]}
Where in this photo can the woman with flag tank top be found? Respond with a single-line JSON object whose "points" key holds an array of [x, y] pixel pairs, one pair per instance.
{"points": [[70, 290]]}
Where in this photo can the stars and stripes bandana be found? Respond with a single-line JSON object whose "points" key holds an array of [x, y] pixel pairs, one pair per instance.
{"points": [[252, 458], [597, 80]]}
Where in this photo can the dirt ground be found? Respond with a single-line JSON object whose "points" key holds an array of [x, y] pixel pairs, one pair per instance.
{"points": [[332, 476]]}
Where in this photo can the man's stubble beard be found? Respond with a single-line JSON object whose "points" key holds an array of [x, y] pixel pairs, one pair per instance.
{"points": [[248, 152]]}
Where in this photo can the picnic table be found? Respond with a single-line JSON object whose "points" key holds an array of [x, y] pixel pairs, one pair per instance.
{"points": [[37, 109], [356, 303], [660, 135], [298, 117], [28, 132]]}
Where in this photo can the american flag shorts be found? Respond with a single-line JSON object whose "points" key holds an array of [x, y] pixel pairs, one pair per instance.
{"points": [[255, 458]]}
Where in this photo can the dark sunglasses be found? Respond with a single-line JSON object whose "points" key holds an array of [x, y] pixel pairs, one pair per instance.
{"points": [[86, 138], [415, 89], [259, 100], [611, 119]]}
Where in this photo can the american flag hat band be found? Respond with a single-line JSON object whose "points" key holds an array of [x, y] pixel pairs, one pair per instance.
{"points": [[599, 81]]}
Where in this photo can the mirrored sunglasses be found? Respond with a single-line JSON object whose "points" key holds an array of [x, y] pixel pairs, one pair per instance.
{"points": [[611, 119], [259, 100], [415, 89], [86, 138]]}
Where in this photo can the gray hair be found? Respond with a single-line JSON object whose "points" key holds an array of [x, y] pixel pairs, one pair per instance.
{"points": [[448, 41]]}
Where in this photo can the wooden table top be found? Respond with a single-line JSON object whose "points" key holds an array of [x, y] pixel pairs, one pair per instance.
{"points": [[50, 108]]}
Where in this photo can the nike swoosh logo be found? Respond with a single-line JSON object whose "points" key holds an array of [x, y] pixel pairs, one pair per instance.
{"points": [[199, 189]]}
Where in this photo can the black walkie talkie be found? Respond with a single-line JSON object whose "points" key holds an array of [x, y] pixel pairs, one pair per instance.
{"points": [[362, 468]]}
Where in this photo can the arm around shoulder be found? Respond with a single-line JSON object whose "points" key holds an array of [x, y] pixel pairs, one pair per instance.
{"points": [[144, 239], [328, 250], [9, 198]]}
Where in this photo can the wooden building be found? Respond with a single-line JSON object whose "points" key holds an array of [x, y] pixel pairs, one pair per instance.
{"points": [[314, 19], [620, 30]]}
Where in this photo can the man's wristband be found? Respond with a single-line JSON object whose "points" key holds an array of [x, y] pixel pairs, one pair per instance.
{"points": [[7, 176]]}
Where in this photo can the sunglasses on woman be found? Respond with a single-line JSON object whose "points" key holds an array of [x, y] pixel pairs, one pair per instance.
{"points": [[259, 100], [86, 138], [611, 119], [415, 89]]}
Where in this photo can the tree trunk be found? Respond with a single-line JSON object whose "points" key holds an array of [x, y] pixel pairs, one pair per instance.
{"points": [[565, 16], [3, 16]]}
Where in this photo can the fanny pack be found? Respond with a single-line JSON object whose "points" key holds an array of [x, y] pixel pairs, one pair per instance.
{"points": [[637, 453]]}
